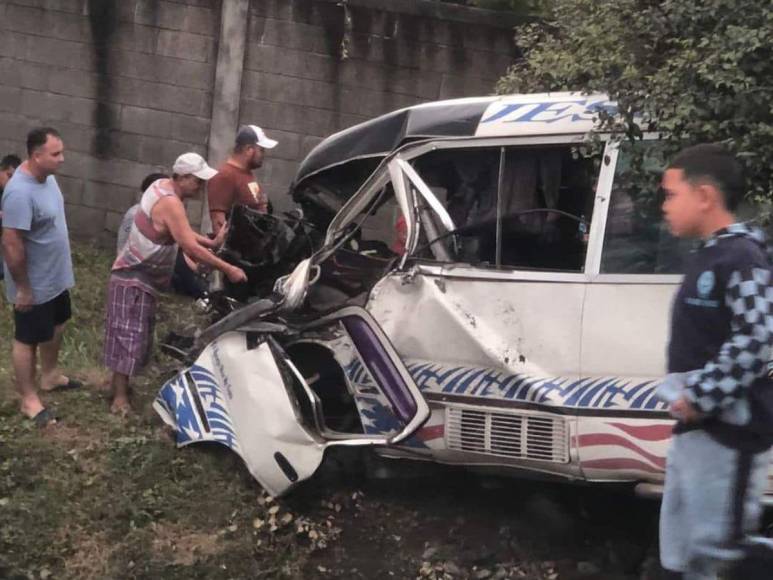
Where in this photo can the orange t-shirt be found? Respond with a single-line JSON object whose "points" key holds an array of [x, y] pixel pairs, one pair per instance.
{"points": [[234, 185]]}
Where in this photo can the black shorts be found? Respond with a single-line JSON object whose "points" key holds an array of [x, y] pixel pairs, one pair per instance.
{"points": [[37, 324]]}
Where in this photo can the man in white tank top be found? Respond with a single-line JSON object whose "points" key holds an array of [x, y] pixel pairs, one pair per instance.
{"points": [[144, 268]]}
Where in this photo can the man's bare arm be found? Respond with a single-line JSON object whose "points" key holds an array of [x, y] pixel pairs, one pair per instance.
{"points": [[16, 258], [171, 212], [218, 220]]}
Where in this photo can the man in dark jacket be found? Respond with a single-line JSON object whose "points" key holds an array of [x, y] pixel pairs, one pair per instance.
{"points": [[718, 384], [8, 165]]}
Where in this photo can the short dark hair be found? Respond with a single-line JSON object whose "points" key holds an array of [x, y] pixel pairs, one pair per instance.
{"points": [[10, 161], [38, 137], [149, 179], [712, 162]]}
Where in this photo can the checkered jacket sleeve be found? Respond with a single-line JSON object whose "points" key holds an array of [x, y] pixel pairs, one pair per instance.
{"points": [[744, 357]]}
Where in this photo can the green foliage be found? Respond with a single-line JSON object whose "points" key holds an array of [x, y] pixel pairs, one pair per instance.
{"points": [[695, 71]]}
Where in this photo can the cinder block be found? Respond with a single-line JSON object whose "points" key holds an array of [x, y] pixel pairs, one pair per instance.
{"points": [[290, 62], [72, 188], [202, 20], [294, 118], [8, 48], [176, 16], [71, 6], [190, 129], [13, 143], [35, 75], [107, 196], [379, 103], [276, 9], [13, 124], [185, 45], [135, 37], [159, 69], [149, 150], [10, 98], [55, 52], [76, 137], [279, 173], [84, 222], [126, 146], [294, 35], [54, 24], [161, 97], [69, 82], [307, 145], [115, 171], [113, 220], [49, 106], [455, 86], [145, 121]]}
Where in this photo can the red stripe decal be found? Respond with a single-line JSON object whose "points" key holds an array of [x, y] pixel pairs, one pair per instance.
{"points": [[619, 463], [429, 433], [593, 439], [658, 432]]}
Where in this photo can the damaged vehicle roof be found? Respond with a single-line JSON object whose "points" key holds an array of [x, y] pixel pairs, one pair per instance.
{"points": [[479, 116]]}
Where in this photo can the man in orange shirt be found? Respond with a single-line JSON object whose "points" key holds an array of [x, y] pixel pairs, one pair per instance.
{"points": [[234, 182]]}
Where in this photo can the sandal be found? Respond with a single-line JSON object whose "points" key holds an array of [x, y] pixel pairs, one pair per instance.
{"points": [[68, 386], [44, 418]]}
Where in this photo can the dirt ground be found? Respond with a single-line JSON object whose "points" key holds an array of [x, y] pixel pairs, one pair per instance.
{"points": [[107, 498]]}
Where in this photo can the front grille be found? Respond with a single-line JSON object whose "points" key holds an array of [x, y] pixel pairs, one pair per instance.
{"points": [[515, 435]]}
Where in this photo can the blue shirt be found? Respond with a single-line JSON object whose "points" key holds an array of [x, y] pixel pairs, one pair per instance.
{"points": [[37, 209]]}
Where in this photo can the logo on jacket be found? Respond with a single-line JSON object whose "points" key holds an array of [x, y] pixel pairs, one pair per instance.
{"points": [[706, 283]]}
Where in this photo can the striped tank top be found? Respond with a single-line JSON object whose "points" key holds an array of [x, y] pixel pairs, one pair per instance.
{"points": [[147, 258]]}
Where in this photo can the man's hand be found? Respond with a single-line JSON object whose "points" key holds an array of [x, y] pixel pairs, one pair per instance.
{"points": [[220, 237], [236, 275], [685, 410], [24, 300]]}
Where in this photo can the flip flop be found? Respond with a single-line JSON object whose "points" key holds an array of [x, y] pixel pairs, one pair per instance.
{"points": [[44, 418], [68, 386]]}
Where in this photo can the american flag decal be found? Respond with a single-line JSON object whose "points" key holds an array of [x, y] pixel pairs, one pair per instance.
{"points": [[635, 445]]}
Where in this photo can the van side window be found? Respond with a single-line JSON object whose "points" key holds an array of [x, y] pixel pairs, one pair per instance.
{"points": [[542, 209], [465, 182], [547, 203], [637, 239]]}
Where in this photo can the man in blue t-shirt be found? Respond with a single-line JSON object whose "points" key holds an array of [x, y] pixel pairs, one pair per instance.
{"points": [[38, 269]]}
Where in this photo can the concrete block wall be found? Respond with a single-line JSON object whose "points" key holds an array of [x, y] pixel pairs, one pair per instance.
{"points": [[129, 89], [129, 83], [314, 67]]}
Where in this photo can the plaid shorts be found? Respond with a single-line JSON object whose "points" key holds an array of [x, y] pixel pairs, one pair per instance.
{"points": [[131, 314]]}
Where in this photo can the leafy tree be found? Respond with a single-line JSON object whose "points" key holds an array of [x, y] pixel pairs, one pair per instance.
{"points": [[697, 71]]}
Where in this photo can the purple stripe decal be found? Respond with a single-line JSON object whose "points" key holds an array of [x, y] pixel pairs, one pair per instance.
{"points": [[381, 367]]}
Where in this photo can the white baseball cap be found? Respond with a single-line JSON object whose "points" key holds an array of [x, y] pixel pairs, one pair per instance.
{"points": [[254, 135], [193, 164]]}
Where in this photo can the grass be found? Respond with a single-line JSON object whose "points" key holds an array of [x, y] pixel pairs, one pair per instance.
{"points": [[101, 497]]}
